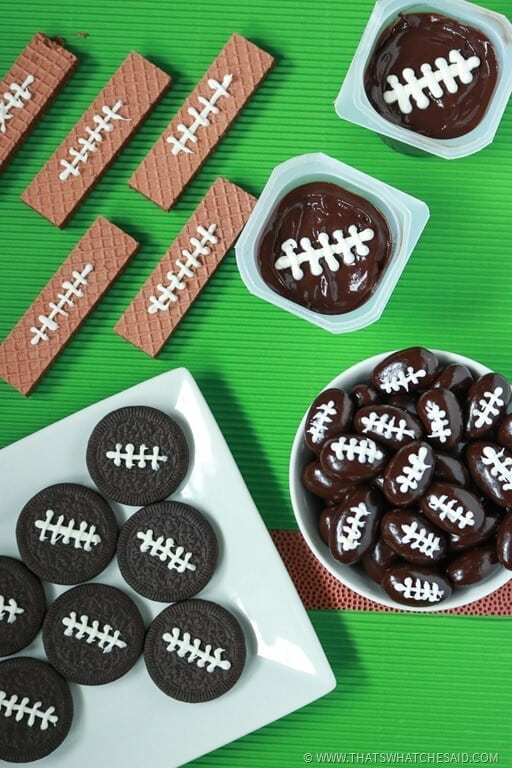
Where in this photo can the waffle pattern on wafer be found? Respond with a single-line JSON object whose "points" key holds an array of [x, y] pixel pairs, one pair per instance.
{"points": [[64, 304], [186, 267], [96, 140], [28, 89], [176, 157]]}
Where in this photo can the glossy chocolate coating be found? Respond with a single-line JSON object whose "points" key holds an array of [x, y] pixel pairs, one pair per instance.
{"points": [[490, 466], [455, 377], [324, 485], [388, 425], [451, 470], [460, 542], [441, 415], [413, 537], [417, 39], [453, 509], [404, 401], [415, 585], [504, 541], [315, 210], [330, 415], [353, 457], [504, 433], [378, 559], [356, 525], [409, 473], [363, 394], [405, 371], [473, 566], [325, 521], [488, 398]]}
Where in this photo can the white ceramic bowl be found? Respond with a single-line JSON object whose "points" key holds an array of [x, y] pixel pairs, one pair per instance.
{"points": [[305, 506]]}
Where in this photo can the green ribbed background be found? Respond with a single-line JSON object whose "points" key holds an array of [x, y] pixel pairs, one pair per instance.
{"points": [[406, 683]]}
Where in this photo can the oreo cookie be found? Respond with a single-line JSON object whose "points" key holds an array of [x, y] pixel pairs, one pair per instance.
{"points": [[137, 455], [93, 634], [36, 709], [167, 551], [22, 606], [195, 651], [66, 533]]}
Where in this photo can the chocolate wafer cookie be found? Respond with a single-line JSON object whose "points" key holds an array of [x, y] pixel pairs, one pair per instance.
{"points": [[63, 305], [202, 121], [66, 533], [195, 651], [22, 606], [93, 634], [28, 89], [137, 455], [185, 269], [96, 140], [36, 709], [167, 551]]}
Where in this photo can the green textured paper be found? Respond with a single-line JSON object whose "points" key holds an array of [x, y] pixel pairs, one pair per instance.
{"points": [[424, 684]]}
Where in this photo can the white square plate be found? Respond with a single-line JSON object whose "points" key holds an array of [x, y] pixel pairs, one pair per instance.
{"points": [[130, 722]]}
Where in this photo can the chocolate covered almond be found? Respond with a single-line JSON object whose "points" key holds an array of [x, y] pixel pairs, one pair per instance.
{"points": [[353, 531], [353, 457], [474, 565], [415, 586], [408, 473], [453, 509], [490, 466], [450, 470], [330, 415], [458, 542], [413, 537], [405, 371], [504, 433], [504, 541], [487, 403], [388, 425], [378, 559], [455, 377], [441, 415], [324, 485]]}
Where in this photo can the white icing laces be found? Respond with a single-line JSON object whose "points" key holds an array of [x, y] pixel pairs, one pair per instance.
{"points": [[16, 97], [140, 459], [94, 137], [412, 473], [364, 451], [419, 538], [22, 708], [71, 289], [83, 536], [402, 379], [327, 251], [9, 609], [353, 527], [500, 466], [184, 647], [432, 81], [389, 427], [185, 269], [321, 420], [80, 629], [420, 590], [451, 510], [439, 424], [489, 405], [200, 118], [166, 550]]}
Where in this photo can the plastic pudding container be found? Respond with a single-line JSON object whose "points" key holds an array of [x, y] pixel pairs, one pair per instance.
{"points": [[405, 215], [353, 104]]}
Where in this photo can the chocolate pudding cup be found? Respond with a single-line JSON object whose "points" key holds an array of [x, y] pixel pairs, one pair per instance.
{"points": [[430, 78]]}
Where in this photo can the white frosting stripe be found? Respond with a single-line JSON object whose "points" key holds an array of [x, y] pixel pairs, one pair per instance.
{"points": [[9, 609], [23, 710], [15, 97], [82, 536], [186, 648], [106, 638], [188, 133], [166, 550], [71, 290], [129, 458]]}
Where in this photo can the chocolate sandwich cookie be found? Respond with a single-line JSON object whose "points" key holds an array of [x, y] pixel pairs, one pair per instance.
{"points": [[66, 533], [137, 455], [36, 709], [22, 606], [93, 634], [167, 551], [195, 651]]}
